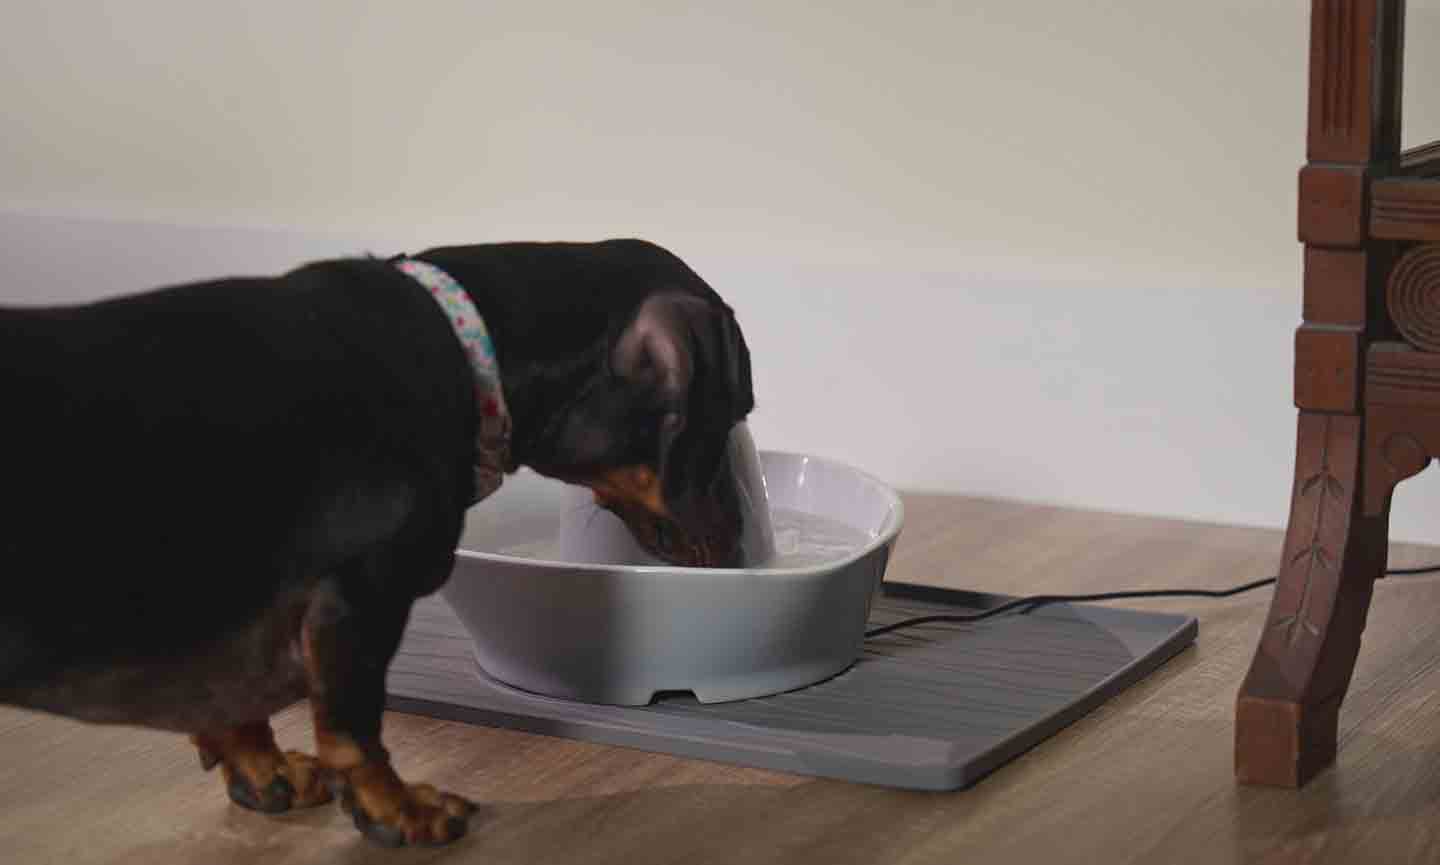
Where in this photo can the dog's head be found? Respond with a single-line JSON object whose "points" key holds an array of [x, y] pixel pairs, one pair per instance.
{"points": [[626, 373], [652, 432]]}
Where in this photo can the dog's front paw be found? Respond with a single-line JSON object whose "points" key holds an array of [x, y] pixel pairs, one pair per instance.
{"points": [[257, 775], [277, 785], [395, 814]]}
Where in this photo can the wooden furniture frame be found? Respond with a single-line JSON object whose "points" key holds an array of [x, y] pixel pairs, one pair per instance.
{"points": [[1367, 383]]}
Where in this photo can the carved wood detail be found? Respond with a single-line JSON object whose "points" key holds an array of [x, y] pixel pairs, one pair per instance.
{"points": [[1406, 208], [1398, 374], [1320, 510], [1394, 451], [1413, 296], [1354, 202], [1289, 704], [1354, 85], [1338, 26]]}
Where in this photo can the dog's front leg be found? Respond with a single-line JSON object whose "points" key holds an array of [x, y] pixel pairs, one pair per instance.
{"points": [[350, 634], [258, 775]]}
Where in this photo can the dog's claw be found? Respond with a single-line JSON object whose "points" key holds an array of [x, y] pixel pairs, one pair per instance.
{"points": [[277, 797], [411, 815], [274, 784], [380, 833]]}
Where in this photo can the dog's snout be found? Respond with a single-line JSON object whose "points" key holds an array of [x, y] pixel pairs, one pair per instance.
{"points": [[704, 536]]}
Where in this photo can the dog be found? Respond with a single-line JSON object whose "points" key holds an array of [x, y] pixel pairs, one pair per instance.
{"points": [[220, 498]]}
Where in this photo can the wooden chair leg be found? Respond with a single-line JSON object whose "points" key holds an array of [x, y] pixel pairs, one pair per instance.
{"points": [[1287, 717]]}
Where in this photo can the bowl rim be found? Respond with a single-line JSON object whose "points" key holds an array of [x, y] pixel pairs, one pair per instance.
{"points": [[886, 536]]}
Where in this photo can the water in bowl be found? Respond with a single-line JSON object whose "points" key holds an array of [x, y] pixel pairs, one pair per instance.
{"points": [[802, 540]]}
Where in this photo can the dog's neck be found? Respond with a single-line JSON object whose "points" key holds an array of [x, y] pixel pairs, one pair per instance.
{"points": [[493, 434], [540, 379]]}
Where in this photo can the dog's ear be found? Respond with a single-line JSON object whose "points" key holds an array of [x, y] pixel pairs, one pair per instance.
{"points": [[654, 354], [654, 351], [688, 354], [676, 338]]}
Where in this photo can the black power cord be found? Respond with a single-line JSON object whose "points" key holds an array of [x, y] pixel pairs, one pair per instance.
{"points": [[1027, 604]]}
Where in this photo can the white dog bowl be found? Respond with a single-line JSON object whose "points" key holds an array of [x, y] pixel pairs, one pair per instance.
{"points": [[621, 633]]}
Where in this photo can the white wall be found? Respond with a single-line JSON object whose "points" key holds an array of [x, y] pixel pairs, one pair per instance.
{"points": [[1041, 250]]}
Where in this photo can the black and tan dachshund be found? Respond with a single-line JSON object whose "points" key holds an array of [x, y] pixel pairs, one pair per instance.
{"points": [[219, 498]]}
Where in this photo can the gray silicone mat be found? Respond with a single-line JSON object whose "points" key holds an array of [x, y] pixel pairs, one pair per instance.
{"points": [[936, 707]]}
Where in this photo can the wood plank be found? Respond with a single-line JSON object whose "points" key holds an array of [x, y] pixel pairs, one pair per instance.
{"points": [[1145, 778], [1356, 51], [1405, 208], [1397, 374]]}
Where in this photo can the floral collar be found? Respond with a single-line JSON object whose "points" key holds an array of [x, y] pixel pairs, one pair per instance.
{"points": [[492, 446]]}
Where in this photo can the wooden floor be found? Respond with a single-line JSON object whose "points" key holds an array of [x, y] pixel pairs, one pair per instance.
{"points": [[1145, 779]]}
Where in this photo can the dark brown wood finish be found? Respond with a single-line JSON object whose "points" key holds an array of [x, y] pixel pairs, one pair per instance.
{"points": [[1406, 208], [1369, 404], [1289, 707]]}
